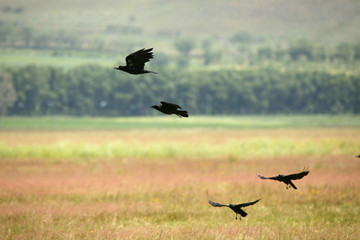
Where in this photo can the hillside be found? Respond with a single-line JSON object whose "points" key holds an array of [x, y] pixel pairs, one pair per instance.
{"points": [[327, 21]]}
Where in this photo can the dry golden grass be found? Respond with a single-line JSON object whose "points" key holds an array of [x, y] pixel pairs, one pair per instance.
{"points": [[137, 198]]}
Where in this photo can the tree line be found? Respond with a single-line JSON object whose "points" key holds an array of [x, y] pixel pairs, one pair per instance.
{"points": [[93, 90], [247, 47]]}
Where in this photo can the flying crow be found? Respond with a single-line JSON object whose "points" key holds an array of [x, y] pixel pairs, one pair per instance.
{"points": [[287, 178], [135, 62], [170, 108], [235, 207]]}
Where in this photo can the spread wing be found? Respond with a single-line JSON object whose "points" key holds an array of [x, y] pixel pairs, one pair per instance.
{"points": [[248, 204], [138, 59], [299, 175], [214, 204], [170, 105], [273, 178]]}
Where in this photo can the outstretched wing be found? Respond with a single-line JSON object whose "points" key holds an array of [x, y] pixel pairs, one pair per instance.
{"points": [[138, 59], [299, 175], [273, 178], [214, 204], [170, 105], [248, 204]]}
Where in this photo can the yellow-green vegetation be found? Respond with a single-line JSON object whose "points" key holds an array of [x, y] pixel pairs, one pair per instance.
{"points": [[233, 148], [169, 138], [155, 183], [194, 122]]}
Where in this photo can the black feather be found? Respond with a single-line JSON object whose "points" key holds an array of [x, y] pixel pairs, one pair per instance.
{"points": [[135, 62], [287, 178], [235, 207]]}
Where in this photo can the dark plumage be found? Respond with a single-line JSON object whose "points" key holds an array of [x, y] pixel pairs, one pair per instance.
{"points": [[358, 156], [235, 207], [287, 178], [135, 62], [170, 108]]}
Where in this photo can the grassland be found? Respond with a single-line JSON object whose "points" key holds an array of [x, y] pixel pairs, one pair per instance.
{"points": [[154, 183], [155, 144], [195, 122]]}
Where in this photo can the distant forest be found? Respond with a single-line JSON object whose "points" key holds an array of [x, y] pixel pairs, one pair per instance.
{"points": [[98, 91], [246, 46]]}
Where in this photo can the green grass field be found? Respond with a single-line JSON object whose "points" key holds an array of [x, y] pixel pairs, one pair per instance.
{"points": [[152, 177], [203, 122]]}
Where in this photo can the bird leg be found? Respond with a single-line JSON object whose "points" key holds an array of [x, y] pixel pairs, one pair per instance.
{"points": [[236, 217]]}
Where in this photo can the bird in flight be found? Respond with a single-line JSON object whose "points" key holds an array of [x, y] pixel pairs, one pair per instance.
{"points": [[235, 207], [170, 108], [135, 62], [287, 178]]}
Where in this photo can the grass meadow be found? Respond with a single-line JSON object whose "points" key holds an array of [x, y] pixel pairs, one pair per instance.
{"points": [[151, 178]]}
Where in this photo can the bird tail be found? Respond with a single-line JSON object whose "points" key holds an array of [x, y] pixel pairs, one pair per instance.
{"points": [[242, 213], [147, 71], [292, 185], [182, 113]]}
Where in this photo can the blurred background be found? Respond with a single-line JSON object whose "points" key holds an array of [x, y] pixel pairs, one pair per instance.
{"points": [[214, 57]]}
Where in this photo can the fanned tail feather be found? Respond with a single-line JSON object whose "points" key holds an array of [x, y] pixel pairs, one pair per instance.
{"points": [[182, 113], [242, 213]]}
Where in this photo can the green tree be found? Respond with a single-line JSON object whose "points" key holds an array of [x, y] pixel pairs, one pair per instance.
{"points": [[344, 52], [27, 36], [95, 91], [31, 84], [357, 51], [184, 46], [301, 48], [266, 53], [241, 37], [7, 93], [210, 55]]}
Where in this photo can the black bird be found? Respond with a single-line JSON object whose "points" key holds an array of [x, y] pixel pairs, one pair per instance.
{"points": [[235, 207], [287, 178], [170, 108], [358, 156], [135, 62]]}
